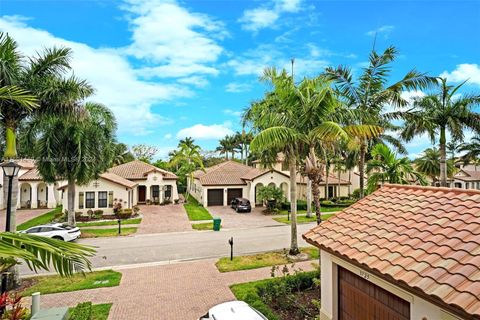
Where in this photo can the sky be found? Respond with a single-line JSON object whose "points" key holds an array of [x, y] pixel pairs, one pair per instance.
{"points": [[170, 69]]}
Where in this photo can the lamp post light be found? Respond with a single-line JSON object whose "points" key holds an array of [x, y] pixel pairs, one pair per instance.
{"points": [[10, 170]]}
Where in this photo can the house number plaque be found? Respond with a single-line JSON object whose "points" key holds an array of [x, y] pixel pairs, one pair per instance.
{"points": [[364, 275]]}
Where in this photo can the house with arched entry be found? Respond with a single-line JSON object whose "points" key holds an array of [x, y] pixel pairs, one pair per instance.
{"points": [[220, 184]]}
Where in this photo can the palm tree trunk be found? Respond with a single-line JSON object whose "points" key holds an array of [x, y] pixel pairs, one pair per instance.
{"points": [[361, 168], [309, 198], [349, 182], [338, 188], [293, 205], [443, 158], [71, 202], [327, 174], [10, 143]]}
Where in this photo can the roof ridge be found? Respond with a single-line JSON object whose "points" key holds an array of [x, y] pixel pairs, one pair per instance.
{"points": [[432, 188]]}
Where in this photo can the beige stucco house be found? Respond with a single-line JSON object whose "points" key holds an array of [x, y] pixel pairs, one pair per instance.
{"points": [[218, 185], [132, 183], [403, 252]]}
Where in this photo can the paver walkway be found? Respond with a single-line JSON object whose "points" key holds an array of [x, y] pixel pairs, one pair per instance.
{"points": [[22, 215], [182, 291], [161, 219]]}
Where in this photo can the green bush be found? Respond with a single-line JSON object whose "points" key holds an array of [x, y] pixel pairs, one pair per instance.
{"points": [[97, 214], [83, 311], [301, 205], [125, 213]]}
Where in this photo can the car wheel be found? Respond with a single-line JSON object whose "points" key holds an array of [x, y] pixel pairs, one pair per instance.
{"points": [[58, 238], [236, 209]]}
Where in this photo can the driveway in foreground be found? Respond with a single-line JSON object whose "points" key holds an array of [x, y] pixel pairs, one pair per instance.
{"points": [[22, 216], [162, 219]]}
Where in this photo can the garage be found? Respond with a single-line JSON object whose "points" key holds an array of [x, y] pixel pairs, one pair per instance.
{"points": [[234, 193], [359, 299], [215, 197]]}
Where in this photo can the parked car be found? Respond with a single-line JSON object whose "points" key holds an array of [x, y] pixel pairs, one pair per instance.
{"points": [[59, 231], [241, 204], [233, 310]]}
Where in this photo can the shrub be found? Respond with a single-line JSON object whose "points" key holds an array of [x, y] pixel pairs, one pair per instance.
{"points": [[301, 205], [125, 214], [168, 201], [117, 205], [136, 210], [97, 214], [90, 214], [356, 194], [78, 214], [83, 311], [176, 201]]}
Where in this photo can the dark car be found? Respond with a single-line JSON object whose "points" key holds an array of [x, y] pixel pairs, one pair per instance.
{"points": [[241, 204]]}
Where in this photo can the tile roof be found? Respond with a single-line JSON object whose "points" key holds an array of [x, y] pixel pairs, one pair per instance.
{"points": [[234, 173], [470, 175], [24, 163], [30, 175], [424, 237], [112, 177], [138, 170]]}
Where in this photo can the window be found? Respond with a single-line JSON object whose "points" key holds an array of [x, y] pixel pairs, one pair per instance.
{"points": [[34, 230], [110, 199], [102, 199], [467, 185], [155, 191], [89, 199], [80, 200]]}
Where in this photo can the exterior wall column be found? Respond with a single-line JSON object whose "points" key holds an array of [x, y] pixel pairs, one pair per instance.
{"points": [[147, 193], [174, 191], [225, 197], [34, 197], [252, 195], [19, 195], [52, 202], [161, 193], [204, 196]]}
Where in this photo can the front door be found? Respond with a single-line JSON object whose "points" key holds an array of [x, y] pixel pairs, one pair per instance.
{"points": [[142, 191]]}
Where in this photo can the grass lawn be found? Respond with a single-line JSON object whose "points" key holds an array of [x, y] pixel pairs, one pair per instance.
{"points": [[322, 209], [42, 219], [303, 219], [99, 311], [55, 283], [109, 223], [195, 211], [97, 233], [203, 226], [260, 260]]}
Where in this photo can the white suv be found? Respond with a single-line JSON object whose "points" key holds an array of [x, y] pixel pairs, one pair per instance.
{"points": [[233, 310], [59, 231]]}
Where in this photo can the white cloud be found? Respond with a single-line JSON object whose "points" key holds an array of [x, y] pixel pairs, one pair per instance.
{"points": [[168, 136], [383, 30], [233, 112], [464, 71], [237, 87], [268, 14], [206, 132], [196, 81], [176, 41], [115, 80]]}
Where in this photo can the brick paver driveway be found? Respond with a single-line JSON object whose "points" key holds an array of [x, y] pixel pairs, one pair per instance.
{"points": [[231, 219], [160, 219], [22, 216], [182, 291]]}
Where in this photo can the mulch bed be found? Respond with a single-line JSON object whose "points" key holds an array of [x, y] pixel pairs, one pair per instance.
{"points": [[304, 299]]}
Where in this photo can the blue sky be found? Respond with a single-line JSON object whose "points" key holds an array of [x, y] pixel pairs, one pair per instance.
{"points": [[170, 69]]}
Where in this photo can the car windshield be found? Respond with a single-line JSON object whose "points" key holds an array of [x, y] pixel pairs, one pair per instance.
{"points": [[244, 201]]}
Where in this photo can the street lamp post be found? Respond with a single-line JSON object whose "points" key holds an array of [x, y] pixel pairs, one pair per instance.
{"points": [[10, 170]]}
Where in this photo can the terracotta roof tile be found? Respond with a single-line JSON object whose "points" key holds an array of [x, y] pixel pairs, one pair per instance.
{"points": [[110, 176], [138, 170], [427, 238], [30, 175]]}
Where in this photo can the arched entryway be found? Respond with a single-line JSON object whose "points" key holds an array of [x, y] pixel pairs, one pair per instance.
{"points": [[284, 187], [25, 196], [258, 202], [272, 184], [42, 195]]}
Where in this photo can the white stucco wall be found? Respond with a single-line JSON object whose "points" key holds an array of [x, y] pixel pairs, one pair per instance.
{"points": [[119, 192], [420, 309], [156, 178]]}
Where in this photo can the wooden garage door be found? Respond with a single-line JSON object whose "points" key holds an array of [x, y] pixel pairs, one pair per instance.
{"points": [[359, 299], [234, 193], [215, 197]]}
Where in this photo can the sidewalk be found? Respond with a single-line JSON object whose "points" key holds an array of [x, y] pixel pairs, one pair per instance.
{"points": [[179, 291]]}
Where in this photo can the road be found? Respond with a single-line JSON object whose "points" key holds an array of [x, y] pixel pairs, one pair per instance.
{"points": [[170, 247]]}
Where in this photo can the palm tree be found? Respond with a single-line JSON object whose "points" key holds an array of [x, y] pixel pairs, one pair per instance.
{"points": [[370, 95], [293, 120], [224, 147], [438, 113], [122, 154], [76, 149], [42, 253], [385, 167], [429, 164], [188, 142], [472, 151], [188, 159]]}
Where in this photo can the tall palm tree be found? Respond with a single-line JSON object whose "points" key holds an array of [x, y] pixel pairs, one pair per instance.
{"points": [[438, 113], [224, 147], [471, 149], [429, 164], [385, 167], [76, 149], [370, 95], [293, 120], [122, 154]]}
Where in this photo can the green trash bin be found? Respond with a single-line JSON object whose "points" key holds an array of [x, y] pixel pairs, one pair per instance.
{"points": [[216, 224]]}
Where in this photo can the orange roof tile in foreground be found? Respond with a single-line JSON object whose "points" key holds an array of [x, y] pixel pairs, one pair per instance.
{"points": [[423, 237]]}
